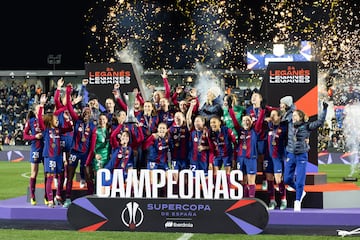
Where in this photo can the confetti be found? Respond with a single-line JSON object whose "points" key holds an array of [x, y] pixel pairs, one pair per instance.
{"points": [[179, 34]]}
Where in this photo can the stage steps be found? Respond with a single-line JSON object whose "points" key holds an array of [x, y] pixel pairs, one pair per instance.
{"points": [[280, 221], [321, 196], [312, 178]]}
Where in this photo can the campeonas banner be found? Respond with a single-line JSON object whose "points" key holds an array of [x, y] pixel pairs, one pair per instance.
{"points": [[299, 80], [103, 76]]}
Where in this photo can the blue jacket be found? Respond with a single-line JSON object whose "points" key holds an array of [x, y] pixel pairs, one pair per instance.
{"points": [[288, 115], [299, 132]]}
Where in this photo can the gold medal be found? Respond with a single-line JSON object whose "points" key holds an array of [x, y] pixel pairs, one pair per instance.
{"points": [[53, 145], [83, 139], [244, 147], [273, 142], [177, 144]]}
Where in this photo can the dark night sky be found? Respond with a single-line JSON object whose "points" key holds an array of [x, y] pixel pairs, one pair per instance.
{"points": [[32, 30]]}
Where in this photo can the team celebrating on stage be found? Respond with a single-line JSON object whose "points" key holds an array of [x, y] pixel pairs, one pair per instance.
{"points": [[172, 130]]}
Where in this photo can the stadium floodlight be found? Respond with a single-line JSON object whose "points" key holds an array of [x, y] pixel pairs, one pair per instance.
{"points": [[54, 60]]}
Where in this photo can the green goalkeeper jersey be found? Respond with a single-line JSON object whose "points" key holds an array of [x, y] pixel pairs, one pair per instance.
{"points": [[102, 148]]}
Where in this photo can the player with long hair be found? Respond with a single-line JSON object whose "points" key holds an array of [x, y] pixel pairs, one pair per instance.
{"points": [[53, 157], [297, 151], [33, 133], [83, 146]]}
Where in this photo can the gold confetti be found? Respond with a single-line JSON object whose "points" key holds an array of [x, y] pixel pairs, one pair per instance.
{"points": [[217, 32]]}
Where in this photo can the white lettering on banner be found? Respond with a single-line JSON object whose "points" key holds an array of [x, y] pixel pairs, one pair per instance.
{"points": [[139, 185], [158, 177], [206, 184], [171, 181], [291, 75], [186, 176], [221, 180], [103, 175], [170, 224], [190, 186], [109, 76], [289, 79], [118, 184], [109, 80], [235, 181]]}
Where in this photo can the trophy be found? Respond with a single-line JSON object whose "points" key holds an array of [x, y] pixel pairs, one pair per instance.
{"points": [[130, 102]]}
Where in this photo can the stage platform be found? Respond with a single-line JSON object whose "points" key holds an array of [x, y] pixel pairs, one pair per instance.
{"points": [[325, 209], [319, 193], [17, 213], [322, 196]]}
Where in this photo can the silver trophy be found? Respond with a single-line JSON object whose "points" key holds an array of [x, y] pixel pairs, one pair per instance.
{"points": [[130, 102]]}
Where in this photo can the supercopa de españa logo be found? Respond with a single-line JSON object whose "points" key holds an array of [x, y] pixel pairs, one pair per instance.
{"points": [[132, 216]]}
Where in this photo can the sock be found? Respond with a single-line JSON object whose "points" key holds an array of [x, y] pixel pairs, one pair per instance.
{"points": [[45, 181], [271, 190], [176, 188], [282, 190], [252, 189], [65, 171], [90, 187], [245, 190], [32, 187], [69, 184], [49, 192], [163, 191], [82, 172], [214, 179], [60, 178]]}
